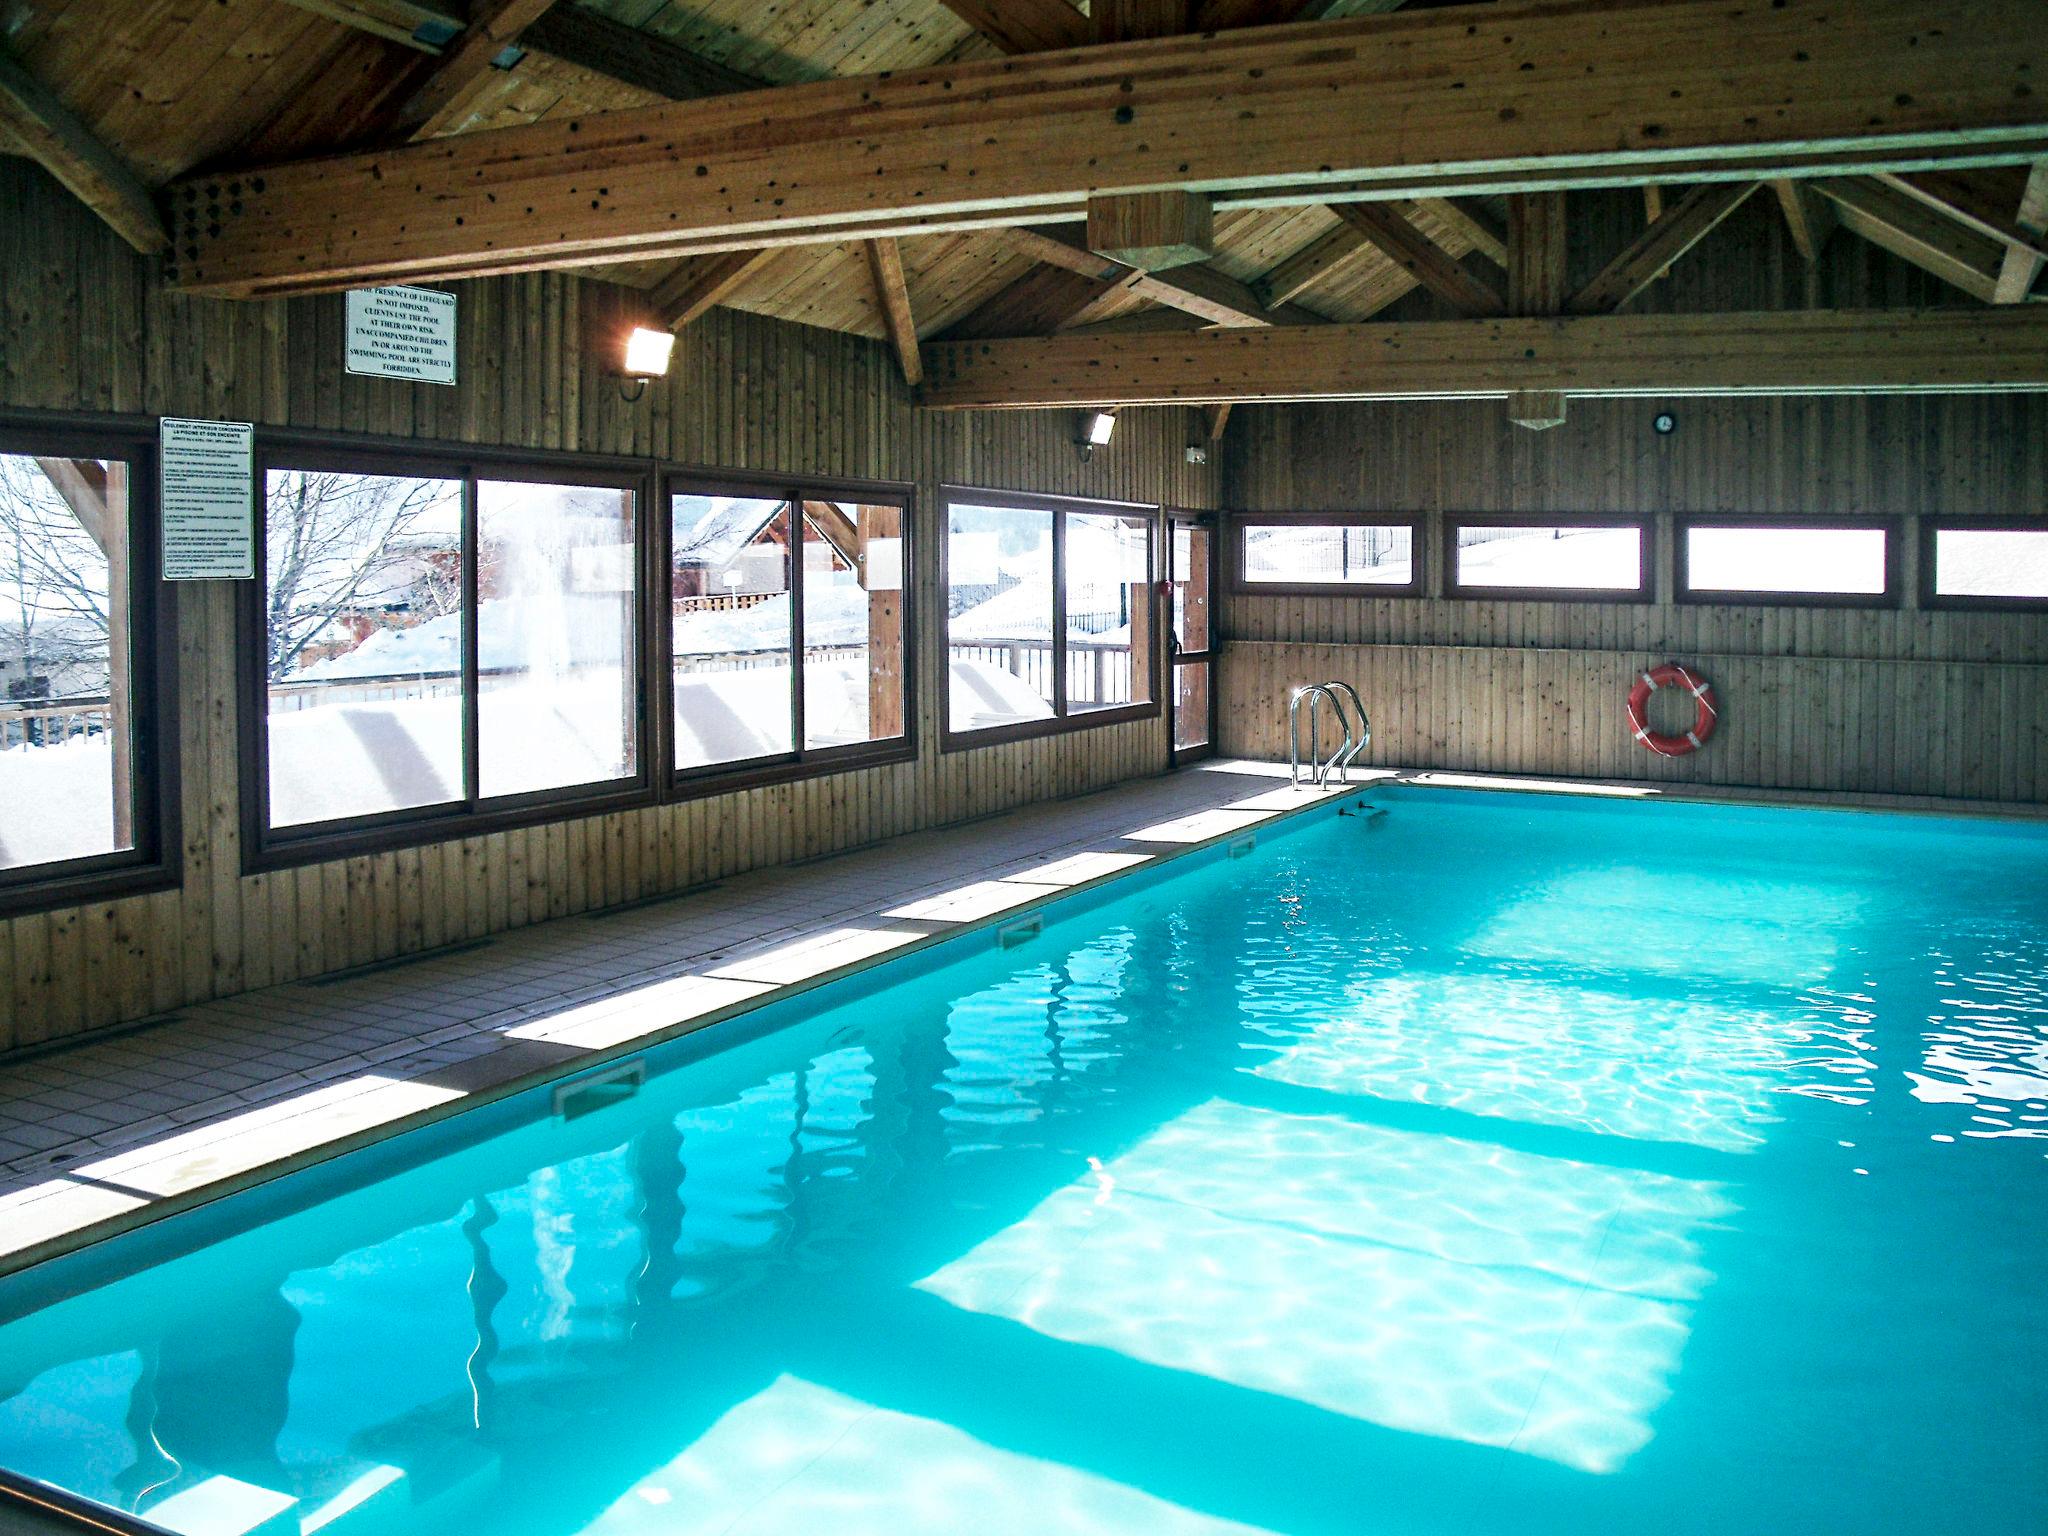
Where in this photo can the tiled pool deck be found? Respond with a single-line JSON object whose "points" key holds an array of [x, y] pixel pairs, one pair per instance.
{"points": [[224, 1093], [110, 1132]]}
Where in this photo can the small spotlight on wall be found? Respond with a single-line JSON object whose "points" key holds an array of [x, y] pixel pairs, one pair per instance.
{"points": [[1097, 428], [647, 355]]}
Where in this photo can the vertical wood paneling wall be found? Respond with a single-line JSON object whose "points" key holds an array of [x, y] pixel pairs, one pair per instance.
{"points": [[1873, 700], [83, 326]]}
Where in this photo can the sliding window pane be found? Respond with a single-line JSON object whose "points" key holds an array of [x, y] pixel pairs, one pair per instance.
{"points": [[1991, 562], [1329, 555], [1109, 611], [1557, 556], [853, 623], [66, 694], [999, 615], [362, 609], [557, 688], [1848, 561], [729, 600]]}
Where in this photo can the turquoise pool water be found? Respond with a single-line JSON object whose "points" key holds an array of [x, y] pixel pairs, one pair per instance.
{"points": [[1473, 1163]]}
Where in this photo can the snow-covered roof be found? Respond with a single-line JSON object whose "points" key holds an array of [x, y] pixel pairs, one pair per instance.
{"points": [[721, 528]]}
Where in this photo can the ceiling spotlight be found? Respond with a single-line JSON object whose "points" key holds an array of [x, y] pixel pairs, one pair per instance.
{"points": [[647, 357], [1096, 430]]}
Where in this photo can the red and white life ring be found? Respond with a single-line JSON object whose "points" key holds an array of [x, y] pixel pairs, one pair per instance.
{"points": [[1671, 675]]}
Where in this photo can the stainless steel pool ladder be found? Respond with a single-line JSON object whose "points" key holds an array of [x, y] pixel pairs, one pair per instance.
{"points": [[1339, 761]]}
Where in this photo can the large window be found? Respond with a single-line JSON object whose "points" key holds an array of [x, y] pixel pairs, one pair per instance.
{"points": [[1985, 563], [443, 642], [1786, 560], [1578, 557], [1373, 556], [1050, 613], [82, 805], [788, 627]]}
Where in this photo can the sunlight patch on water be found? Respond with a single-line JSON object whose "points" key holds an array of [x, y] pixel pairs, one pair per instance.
{"points": [[799, 1457], [1424, 1283], [1520, 1048]]}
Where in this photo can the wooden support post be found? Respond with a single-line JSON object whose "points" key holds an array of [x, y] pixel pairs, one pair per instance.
{"points": [[885, 621], [1152, 230], [1536, 252], [1219, 418]]}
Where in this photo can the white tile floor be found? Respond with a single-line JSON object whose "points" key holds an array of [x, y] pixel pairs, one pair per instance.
{"points": [[94, 1135]]}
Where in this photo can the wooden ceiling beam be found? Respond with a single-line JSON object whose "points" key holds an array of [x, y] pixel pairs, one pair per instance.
{"points": [[2020, 269], [704, 282], [1196, 290], [57, 140], [1257, 112], [1809, 216], [494, 26], [1992, 203], [1909, 229], [1478, 229], [1024, 26], [1153, 230], [1677, 230], [427, 29], [892, 292], [1422, 258], [1779, 352]]}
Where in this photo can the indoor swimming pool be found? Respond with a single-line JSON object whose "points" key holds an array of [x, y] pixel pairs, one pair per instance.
{"points": [[1446, 1162]]}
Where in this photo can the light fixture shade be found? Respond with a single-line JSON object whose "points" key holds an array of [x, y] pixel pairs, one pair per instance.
{"points": [[1101, 427], [647, 353]]}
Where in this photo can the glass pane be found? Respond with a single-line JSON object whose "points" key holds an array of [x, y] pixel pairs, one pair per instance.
{"points": [[66, 722], [1191, 705], [1562, 555], [1309, 554], [853, 623], [363, 612], [998, 615], [1193, 549], [555, 655], [729, 614], [1109, 610], [1991, 562], [1785, 560]]}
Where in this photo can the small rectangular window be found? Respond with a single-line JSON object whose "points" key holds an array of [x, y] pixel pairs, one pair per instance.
{"points": [[1987, 565], [82, 805], [1784, 560], [1306, 553], [1051, 612], [1593, 558]]}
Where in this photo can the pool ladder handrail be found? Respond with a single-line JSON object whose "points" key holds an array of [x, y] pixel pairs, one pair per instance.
{"points": [[1354, 742]]}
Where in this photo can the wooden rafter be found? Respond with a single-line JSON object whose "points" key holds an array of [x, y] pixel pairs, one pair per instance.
{"points": [[1779, 352], [426, 28], [1477, 229], [591, 41], [2020, 269], [1222, 15], [1043, 300], [1329, 254], [55, 138], [969, 145], [1422, 258], [1677, 230], [1809, 216], [1219, 418], [1127, 21], [1994, 204], [885, 265], [703, 282], [1197, 290], [1911, 230], [1023, 26], [493, 27]]}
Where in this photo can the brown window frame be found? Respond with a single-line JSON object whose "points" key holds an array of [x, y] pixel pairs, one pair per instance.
{"points": [[1238, 585], [1644, 591], [154, 863], [266, 848], [802, 762], [1932, 524], [1061, 721], [1684, 592]]}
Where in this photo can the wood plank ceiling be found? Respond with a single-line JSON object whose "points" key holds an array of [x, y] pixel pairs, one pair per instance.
{"points": [[166, 87]]}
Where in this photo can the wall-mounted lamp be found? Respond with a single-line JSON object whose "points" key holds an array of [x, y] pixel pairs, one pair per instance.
{"points": [[647, 355], [1097, 428]]}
